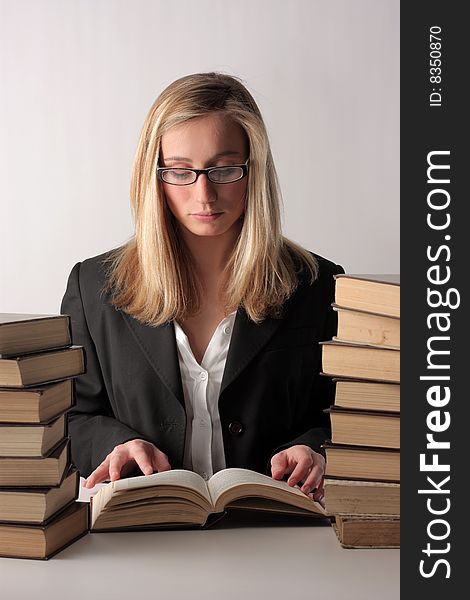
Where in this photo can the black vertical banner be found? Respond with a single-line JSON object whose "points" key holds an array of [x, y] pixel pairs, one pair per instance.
{"points": [[435, 315]]}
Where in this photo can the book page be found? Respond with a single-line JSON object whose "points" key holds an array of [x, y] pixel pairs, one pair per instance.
{"points": [[174, 478], [229, 478]]}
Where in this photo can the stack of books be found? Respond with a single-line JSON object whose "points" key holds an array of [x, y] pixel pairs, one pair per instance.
{"points": [[39, 514], [362, 478]]}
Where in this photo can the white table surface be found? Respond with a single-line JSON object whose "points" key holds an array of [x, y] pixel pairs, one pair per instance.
{"points": [[236, 560]]}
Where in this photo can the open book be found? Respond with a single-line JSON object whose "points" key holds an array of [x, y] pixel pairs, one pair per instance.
{"points": [[183, 498]]}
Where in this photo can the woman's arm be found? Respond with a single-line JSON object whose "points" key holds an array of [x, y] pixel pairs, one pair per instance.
{"points": [[303, 458], [93, 429]]}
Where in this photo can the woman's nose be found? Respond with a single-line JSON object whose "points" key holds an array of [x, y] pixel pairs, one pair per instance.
{"points": [[204, 189]]}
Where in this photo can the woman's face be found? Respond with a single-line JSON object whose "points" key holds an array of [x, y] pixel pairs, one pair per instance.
{"points": [[205, 208]]}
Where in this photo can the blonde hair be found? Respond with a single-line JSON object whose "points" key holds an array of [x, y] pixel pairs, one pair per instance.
{"points": [[151, 277]]}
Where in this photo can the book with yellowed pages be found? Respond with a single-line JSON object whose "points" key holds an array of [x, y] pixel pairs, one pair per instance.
{"points": [[26, 471], [22, 333], [364, 428], [38, 404], [181, 498], [367, 531], [38, 505], [367, 328], [19, 540], [378, 294], [340, 359], [32, 439], [367, 395], [362, 462], [346, 496], [41, 367]]}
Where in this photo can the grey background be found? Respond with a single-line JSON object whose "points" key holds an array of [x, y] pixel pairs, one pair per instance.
{"points": [[78, 77]]}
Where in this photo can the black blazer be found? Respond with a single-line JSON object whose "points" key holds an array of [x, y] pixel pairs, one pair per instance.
{"points": [[272, 396]]}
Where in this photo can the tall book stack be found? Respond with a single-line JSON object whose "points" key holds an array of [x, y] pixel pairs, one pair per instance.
{"points": [[38, 486], [362, 478]]}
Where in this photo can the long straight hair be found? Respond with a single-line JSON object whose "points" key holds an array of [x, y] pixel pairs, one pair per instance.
{"points": [[152, 276]]}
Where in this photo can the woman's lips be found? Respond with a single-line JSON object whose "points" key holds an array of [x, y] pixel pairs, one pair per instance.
{"points": [[206, 217]]}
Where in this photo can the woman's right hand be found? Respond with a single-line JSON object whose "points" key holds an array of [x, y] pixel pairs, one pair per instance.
{"points": [[124, 459]]}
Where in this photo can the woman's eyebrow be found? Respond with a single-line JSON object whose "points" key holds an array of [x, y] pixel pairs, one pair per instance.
{"points": [[216, 157], [177, 158], [226, 153]]}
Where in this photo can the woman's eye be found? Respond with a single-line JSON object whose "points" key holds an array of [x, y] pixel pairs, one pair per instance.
{"points": [[225, 174], [181, 174], [178, 175]]}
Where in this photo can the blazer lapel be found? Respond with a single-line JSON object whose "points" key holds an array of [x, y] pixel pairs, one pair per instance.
{"points": [[247, 340], [159, 346]]}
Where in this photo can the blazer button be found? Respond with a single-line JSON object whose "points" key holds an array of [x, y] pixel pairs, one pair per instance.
{"points": [[235, 428]]}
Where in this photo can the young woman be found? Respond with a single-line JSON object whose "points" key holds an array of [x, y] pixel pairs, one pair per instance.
{"points": [[201, 333]]}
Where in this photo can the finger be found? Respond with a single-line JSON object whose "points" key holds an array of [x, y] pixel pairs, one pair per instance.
{"points": [[279, 464], [116, 462], [318, 497], [313, 480], [320, 486], [300, 471], [160, 461], [144, 461], [100, 474]]}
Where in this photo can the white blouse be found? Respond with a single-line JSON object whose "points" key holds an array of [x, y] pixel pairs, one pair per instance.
{"points": [[204, 447]]}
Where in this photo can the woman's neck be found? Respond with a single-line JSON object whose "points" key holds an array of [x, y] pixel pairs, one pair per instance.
{"points": [[211, 253]]}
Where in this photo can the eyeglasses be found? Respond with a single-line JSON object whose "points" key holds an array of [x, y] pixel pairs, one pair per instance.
{"points": [[228, 174]]}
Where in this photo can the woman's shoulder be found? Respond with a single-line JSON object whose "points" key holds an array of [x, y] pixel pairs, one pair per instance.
{"points": [[324, 267], [310, 266], [318, 290], [99, 261], [92, 271], [310, 303], [325, 263]]}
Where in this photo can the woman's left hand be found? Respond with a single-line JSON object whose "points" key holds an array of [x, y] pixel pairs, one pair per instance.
{"points": [[304, 465]]}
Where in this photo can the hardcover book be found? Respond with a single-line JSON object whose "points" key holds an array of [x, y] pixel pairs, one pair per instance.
{"points": [[21, 333], [41, 367], [378, 294], [18, 540], [346, 496], [368, 531], [38, 404], [32, 439], [367, 328], [47, 471], [180, 498], [37, 505], [364, 428], [367, 395], [361, 462], [360, 361]]}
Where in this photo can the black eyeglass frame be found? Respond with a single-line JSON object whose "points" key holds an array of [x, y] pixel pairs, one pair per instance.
{"points": [[244, 167]]}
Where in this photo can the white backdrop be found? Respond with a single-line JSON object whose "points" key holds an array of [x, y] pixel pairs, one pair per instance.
{"points": [[77, 78]]}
